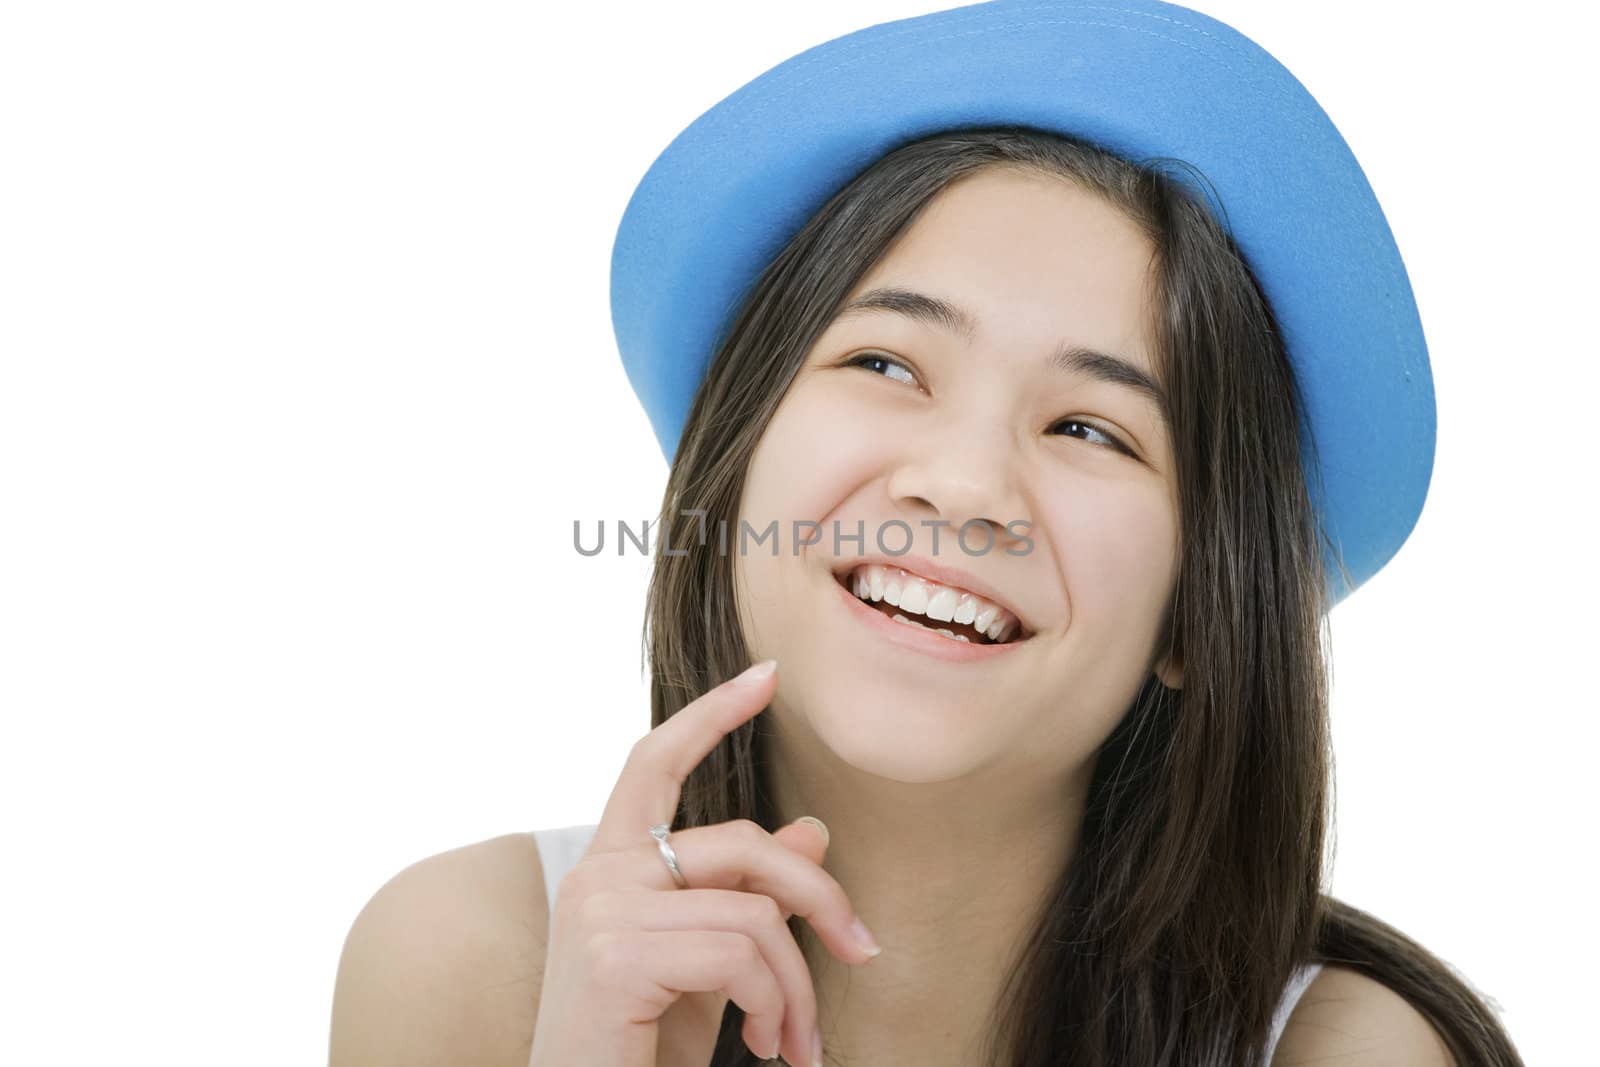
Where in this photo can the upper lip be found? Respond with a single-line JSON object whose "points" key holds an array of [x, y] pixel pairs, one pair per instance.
{"points": [[942, 573]]}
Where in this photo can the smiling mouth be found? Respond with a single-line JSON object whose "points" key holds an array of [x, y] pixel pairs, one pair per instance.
{"points": [[913, 600]]}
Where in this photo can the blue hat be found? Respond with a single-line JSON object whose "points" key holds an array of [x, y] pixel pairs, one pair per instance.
{"points": [[1138, 77]]}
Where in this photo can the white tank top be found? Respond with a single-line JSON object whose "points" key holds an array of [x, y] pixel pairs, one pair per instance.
{"points": [[560, 848]]}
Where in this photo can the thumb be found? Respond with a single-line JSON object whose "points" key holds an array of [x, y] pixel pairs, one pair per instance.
{"points": [[807, 835]]}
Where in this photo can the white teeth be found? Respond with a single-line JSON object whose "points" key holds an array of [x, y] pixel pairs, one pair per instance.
{"points": [[916, 595], [941, 605], [966, 608], [941, 630]]}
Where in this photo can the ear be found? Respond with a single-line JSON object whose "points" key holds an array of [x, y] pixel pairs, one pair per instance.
{"points": [[1169, 668]]}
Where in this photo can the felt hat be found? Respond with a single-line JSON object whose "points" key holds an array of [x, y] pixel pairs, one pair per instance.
{"points": [[1137, 77]]}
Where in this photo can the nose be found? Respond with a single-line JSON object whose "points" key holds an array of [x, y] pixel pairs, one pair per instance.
{"points": [[963, 475]]}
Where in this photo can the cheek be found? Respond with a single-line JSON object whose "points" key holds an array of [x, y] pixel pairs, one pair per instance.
{"points": [[1117, 547], [815, 451], [811, 457]]}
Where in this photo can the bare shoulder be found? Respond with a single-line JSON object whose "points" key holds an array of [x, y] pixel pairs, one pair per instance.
{"points": [[1346, 1019], [444, 963]]}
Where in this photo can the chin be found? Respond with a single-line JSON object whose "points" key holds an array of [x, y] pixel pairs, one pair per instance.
{"points": [[881, 725]]}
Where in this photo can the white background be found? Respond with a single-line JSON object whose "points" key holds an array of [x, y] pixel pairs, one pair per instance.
{"points": [[308, 368]]}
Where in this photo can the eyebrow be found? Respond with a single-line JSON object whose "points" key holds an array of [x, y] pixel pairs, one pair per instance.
{"points": [[1069, 359]]}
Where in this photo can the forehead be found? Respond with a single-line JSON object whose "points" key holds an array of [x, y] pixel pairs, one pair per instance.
{"points": [[1036, 259]]}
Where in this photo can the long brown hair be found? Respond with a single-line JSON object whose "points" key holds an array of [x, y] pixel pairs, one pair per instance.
{"points": [[1195, 889]]}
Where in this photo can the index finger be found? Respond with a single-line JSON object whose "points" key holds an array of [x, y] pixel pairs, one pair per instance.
{"points": [[647, 790]]}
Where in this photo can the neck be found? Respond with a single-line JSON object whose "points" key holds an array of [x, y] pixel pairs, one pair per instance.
{"points": [[949, 876]]}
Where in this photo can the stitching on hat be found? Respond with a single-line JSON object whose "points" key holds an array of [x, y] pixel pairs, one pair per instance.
{"points": [[843, 53], [1191, 27], [786, 83]]}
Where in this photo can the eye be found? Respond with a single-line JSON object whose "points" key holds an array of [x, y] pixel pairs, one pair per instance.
{"points": [[874, 358], [1111, 440]]}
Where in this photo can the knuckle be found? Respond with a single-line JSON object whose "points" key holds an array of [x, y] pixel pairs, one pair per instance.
{"points": [[610, 955], [593, 911], [591, 874], [732, 950], [764, 911]]}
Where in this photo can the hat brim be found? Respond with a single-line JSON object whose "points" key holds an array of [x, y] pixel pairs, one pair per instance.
{"points": [[1141, 78]]}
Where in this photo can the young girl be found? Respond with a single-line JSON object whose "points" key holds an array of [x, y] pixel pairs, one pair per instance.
{"points": [[1035, 465]]}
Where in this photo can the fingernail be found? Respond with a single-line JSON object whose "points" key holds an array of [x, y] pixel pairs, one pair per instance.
{"points": [[759, 671], [816, 1047], [864, 938], [821, 828]]}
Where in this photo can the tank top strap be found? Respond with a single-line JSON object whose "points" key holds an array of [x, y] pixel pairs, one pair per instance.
{"points": [[559, 850], [1298, 983]]}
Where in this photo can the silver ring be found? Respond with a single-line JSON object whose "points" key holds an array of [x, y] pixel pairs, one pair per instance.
{"points": [[669, 857]]}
